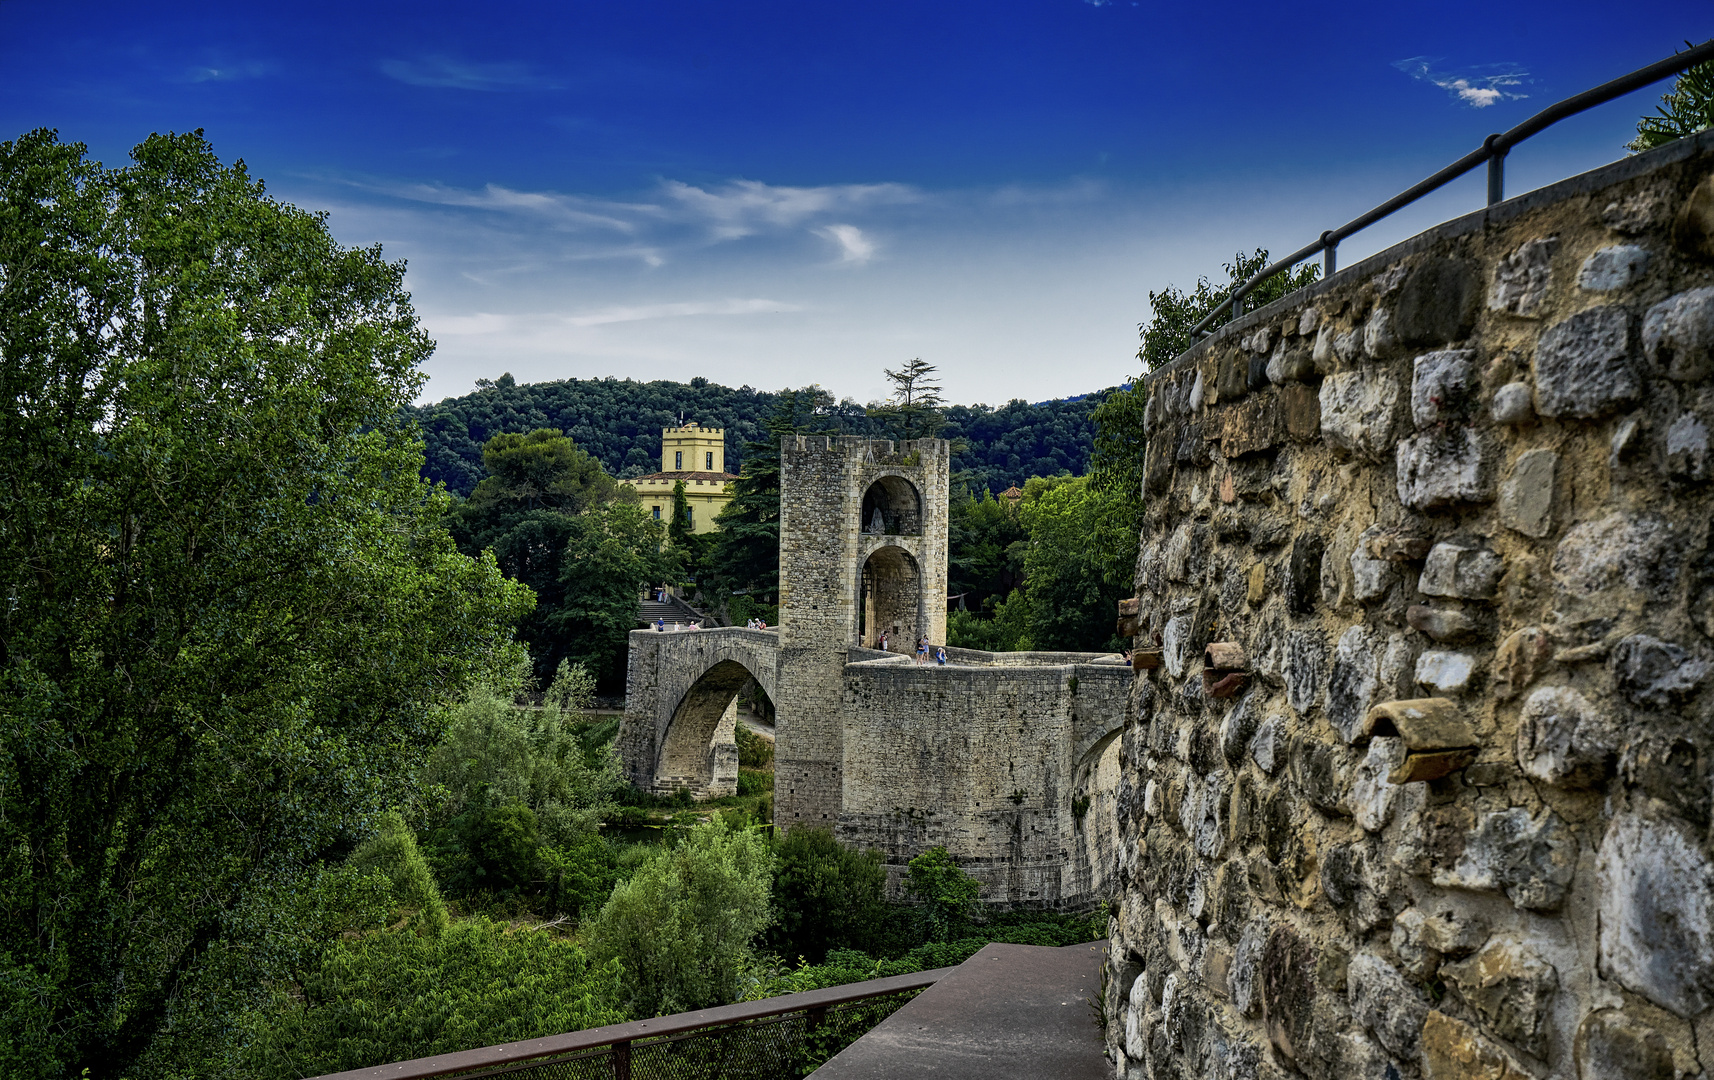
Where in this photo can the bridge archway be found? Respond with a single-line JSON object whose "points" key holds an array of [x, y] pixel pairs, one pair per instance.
{"points": [[890, 599], [699, 750]]}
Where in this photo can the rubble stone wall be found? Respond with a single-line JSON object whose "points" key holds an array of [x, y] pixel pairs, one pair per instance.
{"points": [[1445, 809]]}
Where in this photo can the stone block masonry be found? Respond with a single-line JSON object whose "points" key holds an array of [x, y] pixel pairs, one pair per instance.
{"points": [[1456, 517]]}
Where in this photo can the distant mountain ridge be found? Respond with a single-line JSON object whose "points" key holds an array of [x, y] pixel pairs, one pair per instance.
{"points": [[620, 421]]}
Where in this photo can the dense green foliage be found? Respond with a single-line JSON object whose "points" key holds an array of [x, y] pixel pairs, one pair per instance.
{"points": [[399, 995], [946, 892], [512, 801], [1081, 557], [986, 542], [682, 926], [825, 895], [558, 523], [233, 610], [1684, 110], [915, 408], [1174, 312], [619, 422]]}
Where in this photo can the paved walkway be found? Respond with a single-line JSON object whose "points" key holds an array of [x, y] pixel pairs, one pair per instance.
{"points": [[1011, 1012]]}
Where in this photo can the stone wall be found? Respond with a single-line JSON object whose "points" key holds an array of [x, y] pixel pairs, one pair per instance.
{"points": [[1441, 806], [988, 761]]}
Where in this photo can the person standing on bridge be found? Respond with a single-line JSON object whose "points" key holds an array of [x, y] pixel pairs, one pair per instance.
{"points": [[882, 643]]}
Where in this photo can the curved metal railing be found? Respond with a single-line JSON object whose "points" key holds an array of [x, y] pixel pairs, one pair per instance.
{"points": [[1493, 151]]}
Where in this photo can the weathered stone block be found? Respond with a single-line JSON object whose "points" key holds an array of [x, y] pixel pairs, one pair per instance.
{"points": [[1613, 268], [1656, 897], [1531, 861], [1693, 225], [1445, 670], [1437, 302], [1372, 795], [1526, 496], [1511, 987], [1655, 672], [1378, 338], [1371, 577], [1383, 1002], [1441, 624], [1288, 991], [1687, 449], [1250, 427], [1321, 773], [1520, 657], [1521, 280], [1618, 1044], [1352, 682], [1678, 335], [1585, 366], [1303, 576], [1620, 551], [1443, 468], [1267, 743], [1233, 381], [1300, 408], [1513, 405], [1453, 1050], [1422, 940], [1442, 385], [1461, 571], [1563, 739], [1357, 410], [1305, 669]]}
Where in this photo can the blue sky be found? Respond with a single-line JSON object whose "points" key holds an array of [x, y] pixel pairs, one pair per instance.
{"points": [[778, 194]]}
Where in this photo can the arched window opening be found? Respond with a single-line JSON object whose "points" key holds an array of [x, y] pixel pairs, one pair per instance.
{"points": [[892, 507]]}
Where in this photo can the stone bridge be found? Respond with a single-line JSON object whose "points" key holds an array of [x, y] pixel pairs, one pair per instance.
{"points": [[681, 705]]}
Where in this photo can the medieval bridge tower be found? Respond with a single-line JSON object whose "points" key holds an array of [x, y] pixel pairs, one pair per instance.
{"points": [[998, 757], [863, 527]]}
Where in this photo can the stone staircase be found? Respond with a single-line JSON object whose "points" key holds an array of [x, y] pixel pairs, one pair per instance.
{"points": [[675, 609]]}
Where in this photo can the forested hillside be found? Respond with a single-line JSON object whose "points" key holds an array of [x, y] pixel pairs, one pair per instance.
{"points": [[619, 421]]}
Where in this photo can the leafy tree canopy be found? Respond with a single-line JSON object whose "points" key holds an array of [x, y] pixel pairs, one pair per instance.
{"points": [[233, 613], [913, 410]]}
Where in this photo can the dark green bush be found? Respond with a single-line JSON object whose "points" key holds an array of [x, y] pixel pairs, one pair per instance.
{"points": [[826, 895]]}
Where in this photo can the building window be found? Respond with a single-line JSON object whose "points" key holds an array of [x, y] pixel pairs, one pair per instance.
{"points": [[690, 517], [678, 460], [657, 513], [709, 457]]}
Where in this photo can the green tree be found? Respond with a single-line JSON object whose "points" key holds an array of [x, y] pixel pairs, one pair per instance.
{"points": [[1082, 551], [1007, 630], [512, 800], [985, 548], [233, 612], [682, 926], [913, 411], [826, 895], [394, 996], [1173, 313], [746, 553], [527, 511], [947, 893], [611, 554], [1686, 109]]}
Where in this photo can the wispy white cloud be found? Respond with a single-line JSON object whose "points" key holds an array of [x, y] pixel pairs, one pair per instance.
{"points": [[854, 247], [1477, 87], [641, 312], [745, 207], [450, 73], [219, 72]]}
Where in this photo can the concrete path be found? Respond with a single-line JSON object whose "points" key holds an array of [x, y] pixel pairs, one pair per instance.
{"points": [[1011, 1012]]}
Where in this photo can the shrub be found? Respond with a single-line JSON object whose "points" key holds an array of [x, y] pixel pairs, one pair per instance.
{"points": [[681, 927], [947, 893], [754, 751], [395, 996], [393, 853], [826, 896]]}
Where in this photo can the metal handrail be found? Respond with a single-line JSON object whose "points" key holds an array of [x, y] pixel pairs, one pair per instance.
{"points": [[1493, 151], [621, 1036]]}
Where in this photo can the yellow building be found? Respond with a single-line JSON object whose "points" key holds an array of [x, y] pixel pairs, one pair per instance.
{"points": [[697, 456]]}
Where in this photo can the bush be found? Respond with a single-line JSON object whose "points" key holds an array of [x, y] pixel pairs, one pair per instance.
{"points": [[395, 996], [754, 752], [947, 893], [826, 896], [754, 782], [393, 853], [681, 927]]}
